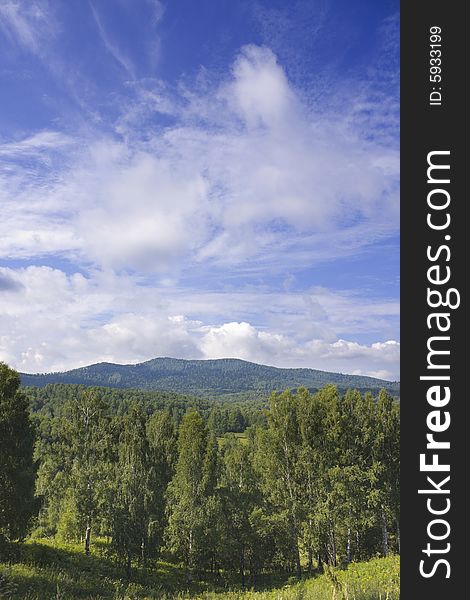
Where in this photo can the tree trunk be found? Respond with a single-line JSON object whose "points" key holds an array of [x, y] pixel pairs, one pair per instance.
{"points": [[398, 535], [384, 535], [190, 557], [87, 536], [142, 552], [242, 568], [348, 546], [310, 559], [320, 563], [297, 558], [333, 547], [252, 577]]}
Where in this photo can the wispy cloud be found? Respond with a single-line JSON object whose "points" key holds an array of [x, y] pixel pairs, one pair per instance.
{"points": [[39, 144], [27, 23], [158, 9], [111, 46]]}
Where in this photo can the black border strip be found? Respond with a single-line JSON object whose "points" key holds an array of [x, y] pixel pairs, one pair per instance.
{"points": [[426, 128]]}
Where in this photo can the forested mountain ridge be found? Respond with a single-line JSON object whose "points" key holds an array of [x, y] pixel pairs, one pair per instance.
{"points": [[208, 378]]}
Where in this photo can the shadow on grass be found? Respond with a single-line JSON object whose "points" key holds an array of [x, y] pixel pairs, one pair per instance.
{"points": [[39, 568]]}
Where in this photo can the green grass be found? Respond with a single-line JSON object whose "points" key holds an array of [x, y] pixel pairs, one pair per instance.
{"points": [[40, 570], [377, 579]]}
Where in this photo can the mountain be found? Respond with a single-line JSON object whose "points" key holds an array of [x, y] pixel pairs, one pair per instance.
{"points": [[207, 378]]}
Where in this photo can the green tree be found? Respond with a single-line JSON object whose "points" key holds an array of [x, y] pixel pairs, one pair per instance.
{"points": [[352, 476], [133, 503], [17, 472], [239, 497], [386, 451], [187, 493], [279, 467], [315, 458], [163, 443], [85, 446]]}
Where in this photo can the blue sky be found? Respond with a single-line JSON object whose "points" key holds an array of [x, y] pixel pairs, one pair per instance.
{"points": [[200, 180]]}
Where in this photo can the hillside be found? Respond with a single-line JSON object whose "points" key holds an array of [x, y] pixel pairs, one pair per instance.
{"points": [[208, 378]]}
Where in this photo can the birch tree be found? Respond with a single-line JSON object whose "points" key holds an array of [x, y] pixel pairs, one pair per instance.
{"points": [[133, 505], [186, 493], [87, 448], [280, 468]]}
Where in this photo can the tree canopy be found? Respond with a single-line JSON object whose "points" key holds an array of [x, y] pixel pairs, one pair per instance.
{"points": [[17, 472]]}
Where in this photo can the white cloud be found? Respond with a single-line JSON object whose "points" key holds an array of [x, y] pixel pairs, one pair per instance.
{"points": [[259, 92], [37, 145], [27, 22], [342, 349], [54, 321], [228, 190], [111, 46], [380, 374], [242, 340]]}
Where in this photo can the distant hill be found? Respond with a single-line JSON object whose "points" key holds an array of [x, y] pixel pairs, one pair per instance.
{"points": [[225, 377]]}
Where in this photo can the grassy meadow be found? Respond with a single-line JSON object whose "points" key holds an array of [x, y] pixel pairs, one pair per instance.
{"points": [[42, 570]]}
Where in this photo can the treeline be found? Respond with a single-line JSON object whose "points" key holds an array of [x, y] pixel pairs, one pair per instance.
{"points": [[227, 415], [317, 483]]}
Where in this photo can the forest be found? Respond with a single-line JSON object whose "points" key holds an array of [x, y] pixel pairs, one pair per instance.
{"points": [[228, 494]]}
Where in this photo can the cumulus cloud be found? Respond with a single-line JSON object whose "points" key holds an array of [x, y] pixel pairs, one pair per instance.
{"points": [[8, 283], [259, 92], [144, 214], [242, 340], [55, 321]]}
